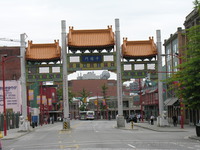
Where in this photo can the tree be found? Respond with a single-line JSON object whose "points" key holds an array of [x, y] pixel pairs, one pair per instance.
{"points": [[196, 4], [186, 82], [60, 95], [104, 92], [83, 94]]}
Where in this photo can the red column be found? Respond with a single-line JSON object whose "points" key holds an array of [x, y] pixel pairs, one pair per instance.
{"points": [[4, 96], [181, 102], [140, 89]]}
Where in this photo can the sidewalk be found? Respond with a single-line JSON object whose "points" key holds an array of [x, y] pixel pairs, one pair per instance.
{"points": [[15, 133], [171, 128]]}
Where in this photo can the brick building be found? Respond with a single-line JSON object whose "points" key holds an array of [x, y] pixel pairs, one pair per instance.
{"points": [[93, 87], [12, 66]]}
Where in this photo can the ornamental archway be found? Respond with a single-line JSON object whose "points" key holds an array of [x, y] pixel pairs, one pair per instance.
{"points": [[90, 50]]}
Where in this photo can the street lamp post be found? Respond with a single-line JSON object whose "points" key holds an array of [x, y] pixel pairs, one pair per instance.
{"points": [[97, 107], [4, 97], [141, 101], [4, 59], [181, 100]]}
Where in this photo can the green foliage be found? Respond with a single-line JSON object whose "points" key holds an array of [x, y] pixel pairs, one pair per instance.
{"points": [[83, 94], [196, 4], [104, 90], [60, 95], [188, 77]]}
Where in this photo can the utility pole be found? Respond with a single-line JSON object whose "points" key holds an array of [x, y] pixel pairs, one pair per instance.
{"points": [[120, 117], [66, 119]]}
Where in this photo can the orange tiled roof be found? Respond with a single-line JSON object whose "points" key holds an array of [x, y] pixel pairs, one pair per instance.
{"points": [[139, 49], [91, 38], [51, 51]]}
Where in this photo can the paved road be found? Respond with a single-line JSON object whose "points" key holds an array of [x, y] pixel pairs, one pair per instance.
{"points": [[100, 135]]}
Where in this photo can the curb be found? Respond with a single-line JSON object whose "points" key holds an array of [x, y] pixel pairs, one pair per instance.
{"points": [[124, 128], [194, 138], [160, 129], [20, 134]]}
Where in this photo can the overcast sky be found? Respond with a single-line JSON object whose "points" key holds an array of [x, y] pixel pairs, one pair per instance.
{"points": [[139, 19]]}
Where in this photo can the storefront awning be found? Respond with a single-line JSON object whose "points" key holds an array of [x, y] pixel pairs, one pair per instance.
{"points": [[170, 101]]}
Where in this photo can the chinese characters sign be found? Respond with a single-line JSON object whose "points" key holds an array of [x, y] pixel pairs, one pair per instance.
{"points": [[91, 58]]}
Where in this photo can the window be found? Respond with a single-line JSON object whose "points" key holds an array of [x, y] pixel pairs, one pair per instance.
{"points": [[125, 103], [175, 66], [168, 52], [169, 70], [175, 46]]}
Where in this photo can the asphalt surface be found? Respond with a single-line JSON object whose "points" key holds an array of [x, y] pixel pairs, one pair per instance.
{"points": [[15, 133]]}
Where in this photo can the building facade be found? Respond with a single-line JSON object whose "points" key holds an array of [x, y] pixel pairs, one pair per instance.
{"points": [[174, 50], [96, 102], [12, 66]]}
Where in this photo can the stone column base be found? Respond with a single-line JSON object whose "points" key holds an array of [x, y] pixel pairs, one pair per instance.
{"points": [[66, 123], [120, 121]]}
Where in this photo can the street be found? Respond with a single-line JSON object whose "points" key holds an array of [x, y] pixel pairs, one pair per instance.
{"points": [[100, 134]]}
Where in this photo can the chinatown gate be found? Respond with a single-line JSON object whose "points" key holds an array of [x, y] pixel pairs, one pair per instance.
{"points": [[97, 49]]}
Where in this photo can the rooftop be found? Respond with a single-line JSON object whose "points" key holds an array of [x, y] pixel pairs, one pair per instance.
{"points": [[87, 39], [43, 52], [139, 49]]}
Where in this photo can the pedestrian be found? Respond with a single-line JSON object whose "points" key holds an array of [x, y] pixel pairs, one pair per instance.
{"points": [[174, 118], [139, 117], [127, 119], [152, 119]]}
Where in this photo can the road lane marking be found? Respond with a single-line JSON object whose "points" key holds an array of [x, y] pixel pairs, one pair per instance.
{"points": [[69, 146], [65, 132], [131, 146], [76, 125], [61, 146]]}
